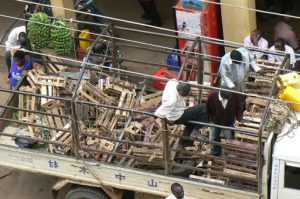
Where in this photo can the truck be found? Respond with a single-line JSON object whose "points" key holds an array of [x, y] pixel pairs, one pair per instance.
{"points": [[94, 129]]}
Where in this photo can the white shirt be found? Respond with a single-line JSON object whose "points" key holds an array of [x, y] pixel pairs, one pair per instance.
{"points": [[278, 58], [173, 197], [262, 43], [172, 106], [223, 101], [234, 74], [13, 38]]}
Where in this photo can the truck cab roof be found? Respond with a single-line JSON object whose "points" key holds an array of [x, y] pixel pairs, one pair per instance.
{"points": [[287, 145]]}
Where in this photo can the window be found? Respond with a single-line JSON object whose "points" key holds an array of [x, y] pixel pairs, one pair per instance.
{"points": [[292, 176]]}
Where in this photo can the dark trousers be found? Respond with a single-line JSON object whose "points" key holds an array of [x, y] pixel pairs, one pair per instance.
{"points": [[214, 135], [8, 60], [196, 113], [150, 10]]}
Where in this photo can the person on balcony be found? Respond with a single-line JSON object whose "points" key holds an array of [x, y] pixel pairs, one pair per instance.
{"points": [[280, 47], [256, 40]]}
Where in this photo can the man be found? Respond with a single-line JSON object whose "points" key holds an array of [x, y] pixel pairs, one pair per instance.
{"points": [[173, 109], [279, 45], [235, 66], [101, 49], [177, 192], [283, 30], [256, 40], [151, 13], [17, 39], [223, 108], [20, 65]]}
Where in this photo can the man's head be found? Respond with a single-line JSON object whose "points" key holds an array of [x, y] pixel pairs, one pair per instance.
{"points": [[225, 94], [256, 32], [19, 58], [183, 89], [177, 190], [236, 57], [23, 39], [279, 44], [99, 48]]}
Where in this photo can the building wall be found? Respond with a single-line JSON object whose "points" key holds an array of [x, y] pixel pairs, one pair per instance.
{"points": [[237, 22]]}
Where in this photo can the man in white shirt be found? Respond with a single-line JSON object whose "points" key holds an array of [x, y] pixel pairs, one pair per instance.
{"points": [[173, 109], [177, 192], [17, 39], [256, 40], [279, 45], [235, 66]]}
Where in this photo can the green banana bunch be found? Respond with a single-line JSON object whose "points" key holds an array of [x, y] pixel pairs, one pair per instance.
{"points": [[39, 27]]}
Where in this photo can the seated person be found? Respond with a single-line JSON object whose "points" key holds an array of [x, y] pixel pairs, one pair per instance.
{"points": [[279, 45], [20, 66], [173, 109], [223, 108], [256, 40]]}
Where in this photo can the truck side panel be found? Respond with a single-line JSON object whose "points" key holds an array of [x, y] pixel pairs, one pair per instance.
{"points": [[122, 178]]}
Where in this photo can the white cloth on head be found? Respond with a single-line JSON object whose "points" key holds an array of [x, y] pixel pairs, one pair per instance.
{"points": [[262, 44], [172, 104], [279, 58], [13, 38], [233, 75]]}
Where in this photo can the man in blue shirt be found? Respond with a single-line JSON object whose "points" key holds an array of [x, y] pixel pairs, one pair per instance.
{"points": [[20, 66], [235, 66]]}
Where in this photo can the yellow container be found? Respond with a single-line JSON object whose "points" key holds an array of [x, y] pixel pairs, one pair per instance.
{"points": [[290, 79], [85, 34], [292, 95]]}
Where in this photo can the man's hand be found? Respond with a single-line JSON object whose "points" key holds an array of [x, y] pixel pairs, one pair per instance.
{"points": [[7, 80], [170, 122], [261, 72], [254, 38]]}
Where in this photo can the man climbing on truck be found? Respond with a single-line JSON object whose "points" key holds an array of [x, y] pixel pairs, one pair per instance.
{"points": [[173, 109]]}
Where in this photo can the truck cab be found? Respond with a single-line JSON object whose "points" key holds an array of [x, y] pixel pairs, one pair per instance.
{"points": [[285, 174]]}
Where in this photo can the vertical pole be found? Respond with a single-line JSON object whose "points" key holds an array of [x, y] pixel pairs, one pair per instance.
{"points": [[166, 147], [114, 48], [187, 57], [264, 120], [59, 12], [74, 126], [200, 72]]}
